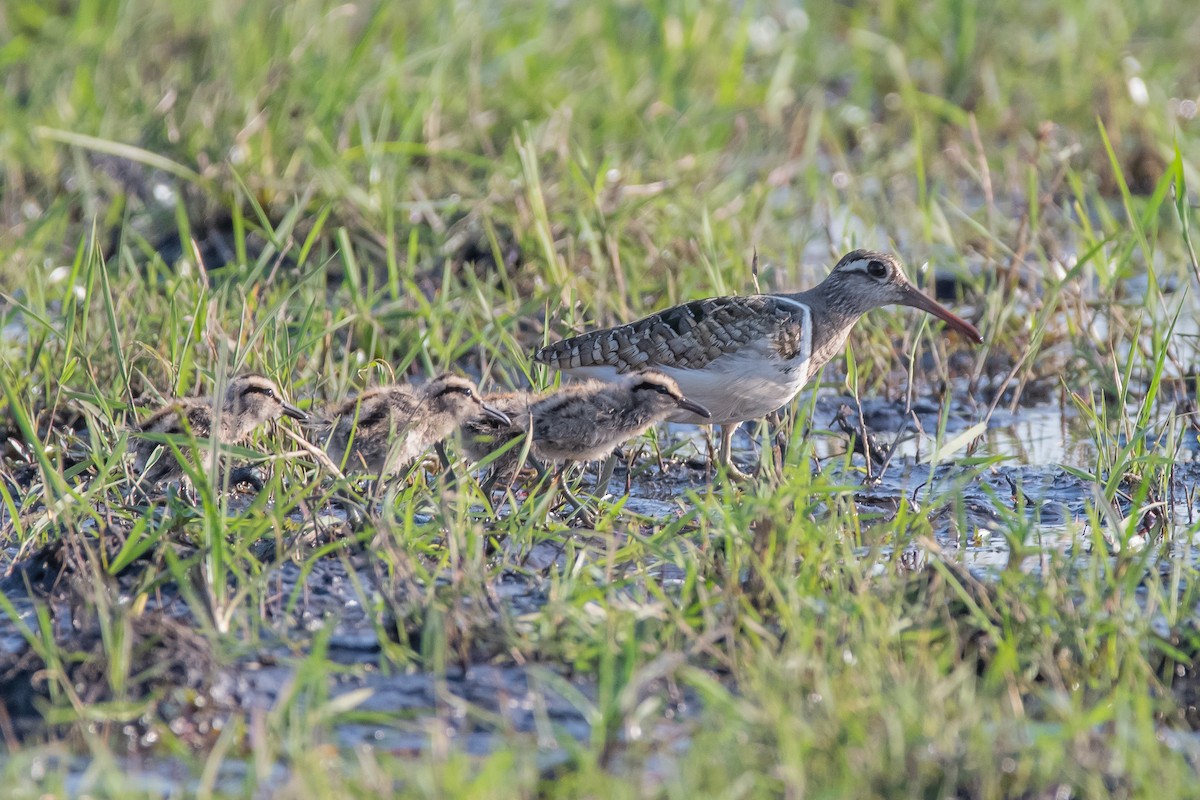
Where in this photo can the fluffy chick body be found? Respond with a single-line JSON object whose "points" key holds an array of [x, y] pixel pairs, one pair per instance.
{"points": [[250, 401], [385, 430], [585, 421], [581, 421]]}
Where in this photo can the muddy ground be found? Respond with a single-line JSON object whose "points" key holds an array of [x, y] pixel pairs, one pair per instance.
{"points": [[337, 613]]}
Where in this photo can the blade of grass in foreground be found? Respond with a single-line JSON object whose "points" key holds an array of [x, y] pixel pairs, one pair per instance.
{"points": [[121, 150]]}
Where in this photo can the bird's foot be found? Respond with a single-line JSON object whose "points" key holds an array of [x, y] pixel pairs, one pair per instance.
{"points": [[734, 474], [356, 510], [248, 475], [579, 508], [586, 518]]}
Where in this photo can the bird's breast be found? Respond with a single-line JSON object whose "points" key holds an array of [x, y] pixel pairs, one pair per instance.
{"points": [[736, 387], [752, 364]]}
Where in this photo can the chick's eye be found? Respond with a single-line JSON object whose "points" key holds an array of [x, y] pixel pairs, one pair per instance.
{"points": [[876, 269]]}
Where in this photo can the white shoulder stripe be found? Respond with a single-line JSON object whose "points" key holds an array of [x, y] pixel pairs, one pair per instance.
{"points": [[806, 343], [778, 298], [804, 355]]}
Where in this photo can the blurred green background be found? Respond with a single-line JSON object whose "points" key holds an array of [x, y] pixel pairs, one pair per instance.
{"points": [[665, 128]]}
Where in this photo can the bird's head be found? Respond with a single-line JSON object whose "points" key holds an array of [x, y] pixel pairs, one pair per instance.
{"points": [[655, 390], [864, 280], [459, 396], [255, 399]]}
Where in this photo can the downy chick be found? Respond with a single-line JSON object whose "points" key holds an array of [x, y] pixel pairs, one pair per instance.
{"points": [[579, 422], [384, 430], [585, 421], [250, 401], [484, 434]]}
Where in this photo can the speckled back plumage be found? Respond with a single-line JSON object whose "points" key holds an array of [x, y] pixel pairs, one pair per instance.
{"points": [[688, 336]]}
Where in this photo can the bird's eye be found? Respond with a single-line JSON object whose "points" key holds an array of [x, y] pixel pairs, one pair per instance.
{"points": [[662, 390], [877, 269]]}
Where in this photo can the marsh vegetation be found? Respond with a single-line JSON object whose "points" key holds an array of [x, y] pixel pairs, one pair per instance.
{"points": [[1002, 603]]}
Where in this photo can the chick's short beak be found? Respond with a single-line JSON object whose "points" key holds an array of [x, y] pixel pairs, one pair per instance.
{"points": [[496, 414], [294, 412], [695, 408]]}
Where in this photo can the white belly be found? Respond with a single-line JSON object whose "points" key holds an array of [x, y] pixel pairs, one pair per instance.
{"points": [[734, 388]]}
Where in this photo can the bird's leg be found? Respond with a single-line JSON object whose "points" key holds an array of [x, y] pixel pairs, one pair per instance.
{"points": [[781, 437], [440, 449], [544, 479], [773, 452], [489, 483], [580, 510], [542, 470], [725, 457], [187, 490], [137, 492], [450, 478], [607, 467], [373, 491], [710, 465], [356, 514]]}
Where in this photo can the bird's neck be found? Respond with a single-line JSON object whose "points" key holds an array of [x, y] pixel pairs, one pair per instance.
{"points": [[832, 319], [637, 417]]}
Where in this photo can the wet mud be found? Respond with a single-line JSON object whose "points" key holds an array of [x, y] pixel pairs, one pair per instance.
{"points": [[339, 626]]}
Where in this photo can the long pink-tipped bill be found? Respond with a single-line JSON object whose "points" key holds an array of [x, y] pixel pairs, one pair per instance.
{"points": [[913, 297]]}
